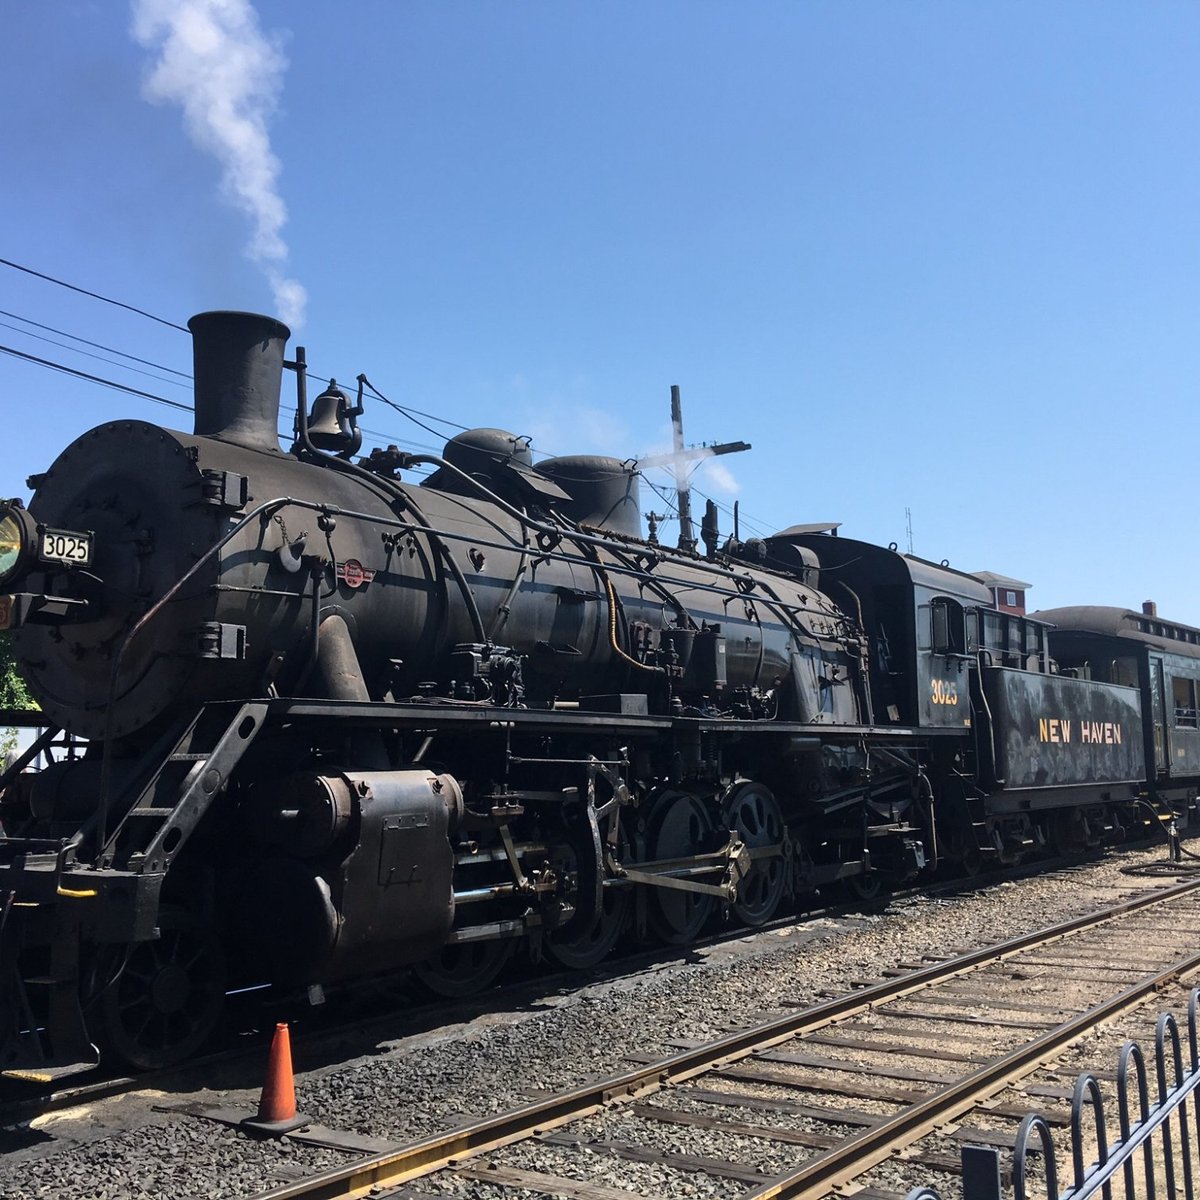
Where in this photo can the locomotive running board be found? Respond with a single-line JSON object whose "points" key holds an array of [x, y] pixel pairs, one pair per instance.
{"points": [[429, 716]]}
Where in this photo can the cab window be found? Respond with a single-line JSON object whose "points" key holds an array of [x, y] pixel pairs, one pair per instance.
{"points": [[949, 626]]}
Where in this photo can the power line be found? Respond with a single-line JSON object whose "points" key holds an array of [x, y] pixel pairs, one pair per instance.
{"points": [[411, 414], [98, 357], [141, 312], [406, 412], [182, 374], [120, 387], [664, 496], [50, 364], [742, 518], [95, 345]]}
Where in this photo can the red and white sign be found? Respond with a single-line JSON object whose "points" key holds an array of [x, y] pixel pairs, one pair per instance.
{"points": [[353, 574]]}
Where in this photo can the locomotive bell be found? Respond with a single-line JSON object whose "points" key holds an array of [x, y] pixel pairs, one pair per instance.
{"points": [[329, 425]]}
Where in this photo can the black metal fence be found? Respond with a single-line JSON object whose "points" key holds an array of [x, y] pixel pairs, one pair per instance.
{"points": [[1157, 1133]]}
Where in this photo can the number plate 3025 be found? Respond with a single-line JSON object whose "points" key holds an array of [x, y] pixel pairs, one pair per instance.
{"points": [[65, 546]]}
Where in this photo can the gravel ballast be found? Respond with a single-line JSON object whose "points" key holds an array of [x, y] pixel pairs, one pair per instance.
{"points": [[414, 1087]]}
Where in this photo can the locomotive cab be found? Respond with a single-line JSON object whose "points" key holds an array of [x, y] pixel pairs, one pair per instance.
{"points": [[920, 618]]}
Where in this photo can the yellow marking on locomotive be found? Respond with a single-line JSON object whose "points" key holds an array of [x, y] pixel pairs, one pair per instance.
{"points": [[1097, 733]]}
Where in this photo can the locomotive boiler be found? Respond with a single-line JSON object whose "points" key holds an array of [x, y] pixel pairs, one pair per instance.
{"points": [[343, 720], [449, 680]]}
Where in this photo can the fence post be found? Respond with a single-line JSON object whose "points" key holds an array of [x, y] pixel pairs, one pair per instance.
{"points": [[981, 1173]]}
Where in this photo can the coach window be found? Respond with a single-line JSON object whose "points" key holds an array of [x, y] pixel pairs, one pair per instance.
{"points": [[1184, 691], [1033, 646], [974, 633], [1010, 654], [993, 632], [949, 626]]}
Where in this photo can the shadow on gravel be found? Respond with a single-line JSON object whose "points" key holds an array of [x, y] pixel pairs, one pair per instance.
{"points": [[21, 1137]]}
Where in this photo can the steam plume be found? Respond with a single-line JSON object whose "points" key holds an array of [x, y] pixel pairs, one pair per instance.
{"points": [[215, 62]]}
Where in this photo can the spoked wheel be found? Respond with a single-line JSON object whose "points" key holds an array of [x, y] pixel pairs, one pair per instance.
{"points": [[165, 997], [678, 827], [865, 887], [582, 942], [753, 813], [585, 948], [964, 851], [464, 968], [1068, 833]]}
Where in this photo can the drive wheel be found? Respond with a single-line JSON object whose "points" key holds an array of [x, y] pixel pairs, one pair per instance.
{"points": [[577, 951], [579, 944], [165, 997], [461, 969], [679, 827], [753, 813]]}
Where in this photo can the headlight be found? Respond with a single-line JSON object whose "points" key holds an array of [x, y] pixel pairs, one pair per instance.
{"points": [[18, 540]]}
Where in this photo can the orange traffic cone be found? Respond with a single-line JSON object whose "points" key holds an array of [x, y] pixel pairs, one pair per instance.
{"points": [[277, 1106]]}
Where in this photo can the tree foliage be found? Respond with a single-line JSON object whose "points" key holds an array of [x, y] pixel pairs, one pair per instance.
{"points": [[13, 692]]}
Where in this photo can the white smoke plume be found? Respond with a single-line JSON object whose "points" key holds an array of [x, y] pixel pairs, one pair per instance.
{"points": [[226, 75], [693, 460], [719, 477]]}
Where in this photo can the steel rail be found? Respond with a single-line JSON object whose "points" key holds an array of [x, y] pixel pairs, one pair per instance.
{"points": [[34, 1103], [392, 1168], [851, 1158]]}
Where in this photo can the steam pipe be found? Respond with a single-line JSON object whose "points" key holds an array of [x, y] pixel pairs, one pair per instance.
{"points": [[591, 540]]}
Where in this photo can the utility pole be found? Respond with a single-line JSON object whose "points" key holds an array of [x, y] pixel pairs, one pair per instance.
{"points": [[677, 461], [908, 527], [687, 534]]}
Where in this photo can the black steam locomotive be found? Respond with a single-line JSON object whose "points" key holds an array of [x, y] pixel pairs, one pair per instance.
{"points": [[339, 722]]}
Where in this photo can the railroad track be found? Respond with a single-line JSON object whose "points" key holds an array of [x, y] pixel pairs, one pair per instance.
{"points": [[812, 1102], [22, 1100]]}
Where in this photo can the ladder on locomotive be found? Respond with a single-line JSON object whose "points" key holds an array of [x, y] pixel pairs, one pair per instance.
{"points": [[188, 769]]}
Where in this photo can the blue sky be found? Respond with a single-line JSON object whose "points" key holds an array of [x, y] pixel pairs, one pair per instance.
{"points": [[937, 256]]}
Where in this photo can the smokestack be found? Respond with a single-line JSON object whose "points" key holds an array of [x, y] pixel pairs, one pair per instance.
{"points": [[1149, 608], [238, 360]]}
